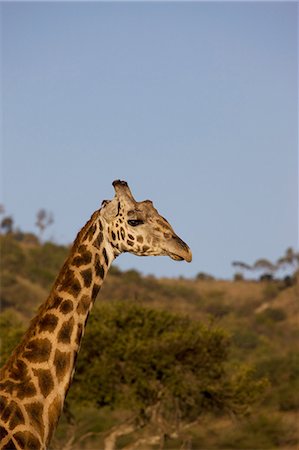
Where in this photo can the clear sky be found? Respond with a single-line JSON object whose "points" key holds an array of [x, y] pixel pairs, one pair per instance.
{"points": [[194, 104]]}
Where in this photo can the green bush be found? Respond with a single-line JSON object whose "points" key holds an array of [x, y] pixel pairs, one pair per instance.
{"points": [[11, 331], [134, 357], [44, 263], [238, 276], [245, 339], [218, 308], [17, 293], [13, 258], [283, 375], [131, 276], [271, 315], [204, 277]]}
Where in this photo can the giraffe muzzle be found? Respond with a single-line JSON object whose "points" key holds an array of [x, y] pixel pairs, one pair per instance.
{"points": [[178, 250]]}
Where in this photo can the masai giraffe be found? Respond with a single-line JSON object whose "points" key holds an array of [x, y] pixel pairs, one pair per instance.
{"points": [[36, 378]]}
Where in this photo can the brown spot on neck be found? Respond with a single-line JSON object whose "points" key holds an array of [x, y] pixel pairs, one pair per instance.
{"points": [[16, 415], [70, 283], [99, 267], [83, 258], [65, 331], [38, 350], [99, 240], [105, 257], [35, 415], [83, 304], [66, 306], [95, 291], [54, 414], [3, 433], [45, 381], [87, 277], [48, 323], [27, 440], [62, 363]]}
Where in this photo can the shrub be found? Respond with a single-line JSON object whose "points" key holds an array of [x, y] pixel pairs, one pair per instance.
{"points": [[134, 358], [204, 277], [11, 331], [272, 315], [261, 432], [218, 308], [17, 293], [245, 339], [238, 276], [283, 375], [12, 256]]}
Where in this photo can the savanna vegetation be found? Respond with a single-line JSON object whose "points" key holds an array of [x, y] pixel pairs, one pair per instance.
{"points": [[167, 363]]}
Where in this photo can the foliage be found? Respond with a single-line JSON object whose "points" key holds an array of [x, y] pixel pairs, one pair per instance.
{"points": [[136, 358], [11, 331], [245, 339], [268, 432], [147, 343], [238, 276], [204, 276], [13, 257], [283, 375], [37, 263], [44, 263], [290, 260], [271, 315], [7, 224]]}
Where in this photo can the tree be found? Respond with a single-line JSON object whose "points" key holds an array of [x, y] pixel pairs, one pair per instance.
{"points": [[241, 266], [7, 224], [265, 266], [166, 369], [43, 220], [290, 258]]}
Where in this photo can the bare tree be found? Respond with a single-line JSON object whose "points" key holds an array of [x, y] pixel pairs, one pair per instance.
{"points": [[290, 258], [264, 265], [242, 266], [43, 220]]}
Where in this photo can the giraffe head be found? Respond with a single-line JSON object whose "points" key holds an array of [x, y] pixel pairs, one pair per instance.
{"points": [[138, 228]]}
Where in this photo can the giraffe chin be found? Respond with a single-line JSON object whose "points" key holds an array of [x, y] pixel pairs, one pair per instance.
{"points": [[175, 257]]}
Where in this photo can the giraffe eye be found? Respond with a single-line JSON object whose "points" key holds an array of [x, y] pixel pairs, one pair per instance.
{"points": [[135, 223]]}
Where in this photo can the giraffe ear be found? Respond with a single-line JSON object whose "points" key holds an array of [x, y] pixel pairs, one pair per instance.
{"points": [[110, 209]]}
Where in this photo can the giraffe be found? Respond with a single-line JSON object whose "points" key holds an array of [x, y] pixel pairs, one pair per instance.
{"points": [[37, 376]]}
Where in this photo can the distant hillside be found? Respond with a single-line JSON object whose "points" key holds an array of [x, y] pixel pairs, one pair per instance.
{"points": [[260, 316]]}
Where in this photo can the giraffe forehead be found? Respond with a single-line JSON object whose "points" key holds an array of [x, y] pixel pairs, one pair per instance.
{"points": [[145, 211], [133, 206]]}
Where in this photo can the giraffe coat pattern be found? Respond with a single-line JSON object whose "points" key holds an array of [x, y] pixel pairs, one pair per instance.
{"points": [[35, 380]]}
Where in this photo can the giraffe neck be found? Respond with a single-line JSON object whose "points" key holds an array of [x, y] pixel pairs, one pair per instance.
{"points": [[37, 377]]}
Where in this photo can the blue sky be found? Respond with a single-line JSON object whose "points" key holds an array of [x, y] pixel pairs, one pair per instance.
{"points": [[194, 104]]}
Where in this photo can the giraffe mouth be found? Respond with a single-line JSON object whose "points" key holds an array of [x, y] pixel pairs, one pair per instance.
{"points": [[176, 257], [178, 250]]}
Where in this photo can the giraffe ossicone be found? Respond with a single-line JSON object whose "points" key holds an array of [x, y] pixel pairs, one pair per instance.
{"points": [[36, 378]]}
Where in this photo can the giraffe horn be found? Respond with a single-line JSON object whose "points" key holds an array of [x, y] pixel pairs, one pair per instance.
{"points": [[122, 190]]}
